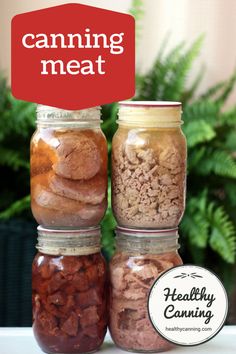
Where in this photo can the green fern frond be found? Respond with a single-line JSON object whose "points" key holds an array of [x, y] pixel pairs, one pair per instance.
{"points": [[230, 140], [175, 88], [196, 227], [167, 78], [12, 158], [195, 222], [194, 156], [108, 225], [189, 94], [228, 118], [212, 91], [137, 10], [198, 132], [16, 208], [18, 118], [205, 223], [230, 84], [154, 82], [223, 234], [218, 162], [230, 193], [109, 125], [202, 110]]}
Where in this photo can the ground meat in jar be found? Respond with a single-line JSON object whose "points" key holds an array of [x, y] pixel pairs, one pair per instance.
{"points": [[148, 177]]}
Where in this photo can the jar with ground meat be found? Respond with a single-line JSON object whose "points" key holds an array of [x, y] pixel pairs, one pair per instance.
{"points": [[69, 291], [68, 168], [149, 165], [141, 256]]}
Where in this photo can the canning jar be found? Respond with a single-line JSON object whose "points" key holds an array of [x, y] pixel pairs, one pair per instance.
{"points": [[68, 168], [149, 165], [141, 256], [69, 291]]}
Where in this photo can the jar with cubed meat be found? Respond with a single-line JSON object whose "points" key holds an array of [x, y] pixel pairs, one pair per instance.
{"points": [[68, 168], [141, 256], [149, 165], [69, 291]]}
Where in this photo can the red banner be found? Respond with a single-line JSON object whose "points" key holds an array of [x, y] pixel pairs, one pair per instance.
{"points": [[73, 56]]}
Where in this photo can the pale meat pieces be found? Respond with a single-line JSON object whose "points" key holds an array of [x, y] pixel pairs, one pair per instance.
{"points": [[63, 202], [92, 191], [148, 186], [78, 157], [131, 280], [60, 218], [51, 209]]}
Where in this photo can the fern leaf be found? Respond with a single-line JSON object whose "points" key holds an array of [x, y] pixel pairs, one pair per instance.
{"points": [[16, 208], [175, 88], [223, 233], [230, 192], [137, 10], [153, 84], [207, 111], [227, 89], [218, 162], [212, 91], [189, 94], [12, 158], [230, 141], [194, 156], [196, 227], [228, 118], [198, 132], [109, 125], [195, 222]]}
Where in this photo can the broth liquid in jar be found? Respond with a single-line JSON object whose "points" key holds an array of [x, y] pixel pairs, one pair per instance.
{"points": [[149, 165], [69, 291], [68, 168], [141, 256]]}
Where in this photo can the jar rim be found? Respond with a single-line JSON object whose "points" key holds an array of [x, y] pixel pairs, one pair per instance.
{"points": [[155, 104], [149, 233], [88, 231], [45, 108], [69, 242], [153, 114], [48, 116]]}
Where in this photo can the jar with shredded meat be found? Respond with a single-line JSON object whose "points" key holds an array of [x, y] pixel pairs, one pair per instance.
{"points": [[141, 256], [69, 291], [68, 168], [149, 165]]}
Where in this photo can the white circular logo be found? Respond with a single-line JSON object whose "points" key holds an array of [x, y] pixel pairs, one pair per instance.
{"points": [[188, 305]]}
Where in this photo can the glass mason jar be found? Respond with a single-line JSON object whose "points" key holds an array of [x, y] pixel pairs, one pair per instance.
{"points": [[141, 256], [68, 168], [149, 165], [69, 291]]}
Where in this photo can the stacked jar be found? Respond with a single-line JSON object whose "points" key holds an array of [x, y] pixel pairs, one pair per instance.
{"points": [[148, 200], [68, 200]]}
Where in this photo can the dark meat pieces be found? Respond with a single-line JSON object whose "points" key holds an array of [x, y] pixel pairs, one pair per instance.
{"points": [[70, 326], [78, 157], [70, 314]]}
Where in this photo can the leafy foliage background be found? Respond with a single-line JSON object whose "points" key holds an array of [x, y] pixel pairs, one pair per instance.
{"points": [[208, 229]]}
